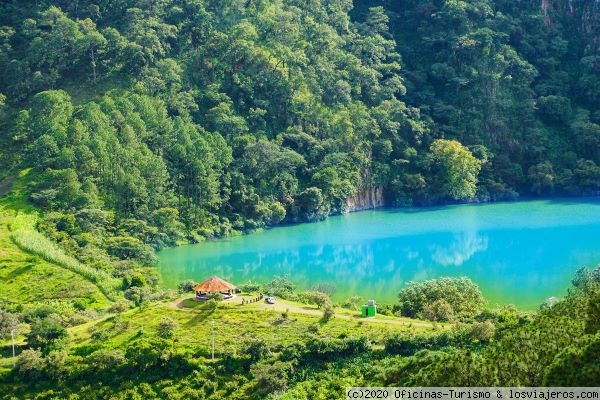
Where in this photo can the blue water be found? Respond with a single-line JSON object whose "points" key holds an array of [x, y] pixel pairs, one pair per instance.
{"points": [[518, 253]]}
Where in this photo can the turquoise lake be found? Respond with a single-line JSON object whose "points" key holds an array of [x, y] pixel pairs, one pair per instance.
{"points": [[518, 253]]}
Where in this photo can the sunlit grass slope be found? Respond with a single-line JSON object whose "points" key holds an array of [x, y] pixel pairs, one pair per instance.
{"points": [[32, 269]]}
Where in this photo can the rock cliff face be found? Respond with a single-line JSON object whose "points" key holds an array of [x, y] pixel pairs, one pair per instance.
{"points": [[365, 199]]}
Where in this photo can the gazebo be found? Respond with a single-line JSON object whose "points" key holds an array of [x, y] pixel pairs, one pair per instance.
{"points": [[212, 285]]}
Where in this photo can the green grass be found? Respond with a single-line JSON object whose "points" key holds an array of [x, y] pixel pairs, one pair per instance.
{"points": [[235, 323], [31, 241], [26, 278]]}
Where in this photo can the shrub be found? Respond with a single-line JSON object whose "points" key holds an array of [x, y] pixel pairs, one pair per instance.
{"points": [[8, 322], [328, 349], [482, 331], [211, 305], [280, 286], [272, 377], [119, 307], [44, 332], [441, 299], [592, 323], [255, 349], [320, 299], [250, 287], [328, 312], [186, 286], [166, 328], [215, 296], [439, 310], [145, 354], [141, 295], [407, 344], [352, 303], [30, 363], [106, 360], [134, 279], [56, 364]]}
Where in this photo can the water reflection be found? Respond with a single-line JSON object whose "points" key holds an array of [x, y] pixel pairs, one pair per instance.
{"points": [[462, 248], [520, 260]]}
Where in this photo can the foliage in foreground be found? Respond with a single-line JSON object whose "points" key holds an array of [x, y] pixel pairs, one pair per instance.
{"points": [[556, 346], [444, 299]]}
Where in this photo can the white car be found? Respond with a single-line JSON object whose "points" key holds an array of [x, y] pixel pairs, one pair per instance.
{"points": [[270, 300]]}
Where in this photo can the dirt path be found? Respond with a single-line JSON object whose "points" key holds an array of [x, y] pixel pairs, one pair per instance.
{"points": [[6, 184]]}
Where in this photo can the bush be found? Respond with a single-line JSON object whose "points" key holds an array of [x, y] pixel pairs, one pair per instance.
{"points": [[328, 312], [166, 328], [211, 304], [250, 287], [141, 295], [439, 310], [352, 303], [406, 344], [30, 363], [119, 307], [134, 279], [329, 349], [186, 286], [441, 299], [482, 331], [146, 354], [320, 299], [44, 332], [215, 296], [106, 360], [56, 364], [272, 377], [255, 349], [280, 286], [9, 322]]}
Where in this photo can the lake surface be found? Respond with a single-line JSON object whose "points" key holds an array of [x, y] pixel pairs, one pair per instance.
{"points": [[518, 253]]}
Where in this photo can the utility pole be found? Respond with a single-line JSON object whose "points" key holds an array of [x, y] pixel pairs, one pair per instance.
{"points": [[213, 339], [12, 334]]}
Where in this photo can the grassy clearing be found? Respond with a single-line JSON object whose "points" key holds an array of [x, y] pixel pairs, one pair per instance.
{"points": [[34, 242], [235, 324], [27, 278]]}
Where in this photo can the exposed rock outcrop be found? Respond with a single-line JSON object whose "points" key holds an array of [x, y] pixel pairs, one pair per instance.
{"points": [[365, 199]]}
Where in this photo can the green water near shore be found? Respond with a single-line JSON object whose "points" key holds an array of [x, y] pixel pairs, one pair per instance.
{"points": [[518, 253]]}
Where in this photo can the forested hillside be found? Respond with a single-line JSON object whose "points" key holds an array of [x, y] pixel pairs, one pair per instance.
{"points": [[157, 122], [521, 78], [227, 116]]}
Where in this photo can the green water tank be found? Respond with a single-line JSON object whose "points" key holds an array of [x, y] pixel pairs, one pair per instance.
{"points": [[365, 311]]}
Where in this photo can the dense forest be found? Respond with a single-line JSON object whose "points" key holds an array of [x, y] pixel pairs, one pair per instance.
{"points": [[127, 126], [231, 116], [151, 123]]}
